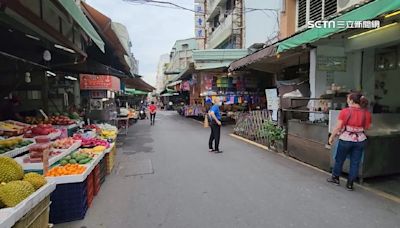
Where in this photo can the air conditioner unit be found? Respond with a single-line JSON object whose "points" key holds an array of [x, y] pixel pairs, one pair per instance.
{"points": [[347, 4]]}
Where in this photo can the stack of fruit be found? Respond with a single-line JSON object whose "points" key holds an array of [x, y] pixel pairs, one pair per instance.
{"points": [[76, 158], [92, 127], [68, 169], [34, 120], [92, 142], [10, 144], [93, 151], [63, 143], [36, 152], [9, 129], [108, 134], [15, 185], [41, 129], [60, 120]]}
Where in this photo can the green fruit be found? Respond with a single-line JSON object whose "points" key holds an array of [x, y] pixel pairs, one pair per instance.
{"points": [[84, 161], [12, 193], [35, 179], [63, 162], [10, 170], [68, 157], [74, 155], [85, 155], [72, 161]]}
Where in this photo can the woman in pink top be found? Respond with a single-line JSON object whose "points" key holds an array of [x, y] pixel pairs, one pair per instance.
{"points": [[152, 110], [352, 123]]}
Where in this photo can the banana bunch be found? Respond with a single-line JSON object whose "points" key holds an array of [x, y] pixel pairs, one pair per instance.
{"points": [[108, 134], [9, 127]]}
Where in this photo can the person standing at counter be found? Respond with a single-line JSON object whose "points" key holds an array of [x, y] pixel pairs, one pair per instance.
{"points": [[352, 123]]}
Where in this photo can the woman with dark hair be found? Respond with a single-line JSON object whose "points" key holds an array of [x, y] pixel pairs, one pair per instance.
{"points": [[153, 111], [352, 123]]}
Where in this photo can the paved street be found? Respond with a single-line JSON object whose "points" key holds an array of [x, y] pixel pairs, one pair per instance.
{"points": [[165, 177]]}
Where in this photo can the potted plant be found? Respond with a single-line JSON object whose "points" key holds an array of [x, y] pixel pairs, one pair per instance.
{"points": [[274, 135]]}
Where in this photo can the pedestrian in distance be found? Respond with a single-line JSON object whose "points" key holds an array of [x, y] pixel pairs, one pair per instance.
{"points": [[214, 119], [352, 123], [153, 111]]}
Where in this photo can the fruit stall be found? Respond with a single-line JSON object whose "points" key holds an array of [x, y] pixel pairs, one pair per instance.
{"points": [[39, 165]]}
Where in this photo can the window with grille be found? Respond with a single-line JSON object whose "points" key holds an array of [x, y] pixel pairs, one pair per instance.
{"points": [[315, 10], [301, 13], [330, 7]]}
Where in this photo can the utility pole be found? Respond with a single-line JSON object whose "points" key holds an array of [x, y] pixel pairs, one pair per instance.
{"points": [[238, 24]]}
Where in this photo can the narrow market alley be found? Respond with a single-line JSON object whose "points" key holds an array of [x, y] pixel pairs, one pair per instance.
{"points": [[165, 177]]}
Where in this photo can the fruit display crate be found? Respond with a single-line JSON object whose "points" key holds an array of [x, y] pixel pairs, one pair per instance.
{"points": [[69, 202], [37, 217], [52, 136], [103, 170], [110, 158], [52, 160], [81, 177], [71, 129], [96, 179], [10, 216], [90, 189], [18, 151]]}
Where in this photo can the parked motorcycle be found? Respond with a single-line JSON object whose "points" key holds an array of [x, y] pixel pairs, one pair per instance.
{"points": [[142, 114]]}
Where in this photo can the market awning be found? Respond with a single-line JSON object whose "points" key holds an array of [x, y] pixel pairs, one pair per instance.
{"points": [[174, 83], [137, 83], [105, 27], [169, 94], [254, 57], [90, 67], [216, 58], [78, 16], [135, 92], [366, 12]]}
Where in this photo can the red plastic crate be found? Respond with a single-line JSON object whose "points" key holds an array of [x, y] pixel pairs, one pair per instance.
{"points": [[96, 179], [96, 190], [90, 189]]}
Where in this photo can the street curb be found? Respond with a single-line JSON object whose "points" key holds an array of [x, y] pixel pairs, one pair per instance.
{"points": [[372, 190]]}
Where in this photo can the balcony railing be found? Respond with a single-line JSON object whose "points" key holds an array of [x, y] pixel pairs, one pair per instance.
{"points": [[221, 33]]}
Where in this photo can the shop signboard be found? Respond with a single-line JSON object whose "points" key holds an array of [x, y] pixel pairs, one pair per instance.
{"points": [[332, 63], [272, 102], [98, 94], [99, 82]]}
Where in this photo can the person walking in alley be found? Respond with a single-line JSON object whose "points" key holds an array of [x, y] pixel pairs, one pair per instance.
{"points": [[153, 111], [214, 118], [352, 123]]}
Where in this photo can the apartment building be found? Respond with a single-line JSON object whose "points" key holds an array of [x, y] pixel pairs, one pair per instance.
{"points": [[161, 68], [238, 24], [297, 14], [181, 55]]}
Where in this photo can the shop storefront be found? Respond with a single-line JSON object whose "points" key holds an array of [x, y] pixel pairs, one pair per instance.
{"points": [[351, 60], [98, 94]]}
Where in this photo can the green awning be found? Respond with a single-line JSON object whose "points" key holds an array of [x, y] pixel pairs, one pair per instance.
{"points": [[135, 92], [366, 12], [73, 9]]}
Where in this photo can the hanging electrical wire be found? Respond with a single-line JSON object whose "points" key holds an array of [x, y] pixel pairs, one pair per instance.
{"points": [[163, 4]]}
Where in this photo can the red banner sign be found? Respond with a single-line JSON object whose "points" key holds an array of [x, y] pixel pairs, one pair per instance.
{"points": [[99, 82]]}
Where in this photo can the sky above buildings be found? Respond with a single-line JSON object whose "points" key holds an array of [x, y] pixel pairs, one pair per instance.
{"points": [[153, 30]]}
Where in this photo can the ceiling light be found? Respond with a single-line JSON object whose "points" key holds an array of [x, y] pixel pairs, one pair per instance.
{"points": [[64, 48], [47, 55], [372, 31], [32, 37], [392, 14], [70, 78], [50, 74], [28, 77]]}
